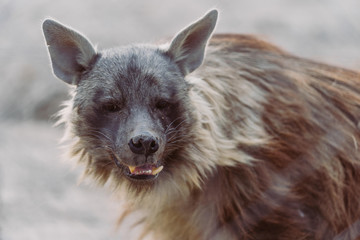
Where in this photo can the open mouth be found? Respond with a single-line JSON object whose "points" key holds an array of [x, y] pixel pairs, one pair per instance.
{"points": [[145, 172]]}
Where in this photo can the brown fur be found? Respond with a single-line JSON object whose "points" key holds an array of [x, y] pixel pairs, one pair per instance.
{"points": [[274, 151]]}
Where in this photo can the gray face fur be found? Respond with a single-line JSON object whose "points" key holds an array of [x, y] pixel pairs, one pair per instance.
{"points": [[131, 92], [131, 104]]}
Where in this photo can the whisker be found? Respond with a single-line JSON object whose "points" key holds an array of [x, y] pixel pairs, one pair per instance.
{"points": [[169, 126], [105, 164], [174, 138], [172, 133], [178, 141], [100, 134], [94, 133]]}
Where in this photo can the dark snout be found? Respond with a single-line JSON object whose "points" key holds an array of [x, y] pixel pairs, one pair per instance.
{"points": [[144, 143]]}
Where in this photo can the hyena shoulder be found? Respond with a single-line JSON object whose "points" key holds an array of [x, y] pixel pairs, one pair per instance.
{"points": [[292, 121]]}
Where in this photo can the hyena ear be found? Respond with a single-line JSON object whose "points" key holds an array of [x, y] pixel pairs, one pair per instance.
{"points": [[188, 46], [70, 52]]}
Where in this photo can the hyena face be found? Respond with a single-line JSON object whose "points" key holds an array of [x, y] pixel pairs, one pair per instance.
{"points": [[131, 105]]}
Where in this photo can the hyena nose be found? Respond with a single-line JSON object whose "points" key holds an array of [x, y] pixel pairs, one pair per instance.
{"points": [[144, 143]]}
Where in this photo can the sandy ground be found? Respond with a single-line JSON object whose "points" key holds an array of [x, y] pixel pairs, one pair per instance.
{"points": [[39, 194]]}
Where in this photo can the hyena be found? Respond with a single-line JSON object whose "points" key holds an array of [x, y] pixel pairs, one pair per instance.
{"points": [[220, 136]]}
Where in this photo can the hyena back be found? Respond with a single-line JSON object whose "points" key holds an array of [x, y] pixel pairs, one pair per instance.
{"points": [[248, 142]]}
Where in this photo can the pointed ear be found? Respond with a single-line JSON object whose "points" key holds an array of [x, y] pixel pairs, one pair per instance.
{"points": [[188, 47], [70, 52]]}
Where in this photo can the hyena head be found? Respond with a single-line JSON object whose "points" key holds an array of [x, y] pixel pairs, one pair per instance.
{"points": [[131, 110]]}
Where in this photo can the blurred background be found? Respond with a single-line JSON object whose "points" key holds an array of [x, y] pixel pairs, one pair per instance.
{"points": [[40, 197]]}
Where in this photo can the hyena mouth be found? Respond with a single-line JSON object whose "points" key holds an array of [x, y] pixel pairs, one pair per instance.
{"points": [[145, 172]]}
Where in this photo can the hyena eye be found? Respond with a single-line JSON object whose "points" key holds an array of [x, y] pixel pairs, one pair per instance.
{"points": [[162, 104], [110, 107]]}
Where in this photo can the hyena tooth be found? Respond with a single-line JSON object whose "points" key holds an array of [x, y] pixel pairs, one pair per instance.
{"points": [[132, 169], [157, 170]]}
